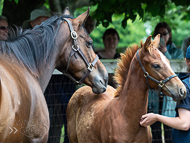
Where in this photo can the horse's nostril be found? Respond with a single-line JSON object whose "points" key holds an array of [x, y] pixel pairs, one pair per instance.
{"points": [[101, 82]]}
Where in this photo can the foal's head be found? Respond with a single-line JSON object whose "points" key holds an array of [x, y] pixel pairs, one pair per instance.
{"points": [[77, 56], [158, 67]]}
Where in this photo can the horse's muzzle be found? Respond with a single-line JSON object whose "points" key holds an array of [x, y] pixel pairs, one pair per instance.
{"points": [[180, 95]]}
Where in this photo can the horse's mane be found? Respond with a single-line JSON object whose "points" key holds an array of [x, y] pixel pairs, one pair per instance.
{"points": [[122, 69], [31, 47]]}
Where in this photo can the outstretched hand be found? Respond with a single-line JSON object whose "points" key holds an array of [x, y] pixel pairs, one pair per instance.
{"points": [[148, 119]]}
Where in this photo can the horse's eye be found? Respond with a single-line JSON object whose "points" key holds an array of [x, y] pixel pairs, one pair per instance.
{"points": [[89, 44], [156, 66]]}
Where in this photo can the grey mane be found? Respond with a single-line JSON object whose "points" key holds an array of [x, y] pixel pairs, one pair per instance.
{"points": [[32, 47]]}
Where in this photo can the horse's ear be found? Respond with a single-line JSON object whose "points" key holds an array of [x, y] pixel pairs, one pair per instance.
{"points": [[66, 11], [81, 19], [156, 41], [147, 43]]}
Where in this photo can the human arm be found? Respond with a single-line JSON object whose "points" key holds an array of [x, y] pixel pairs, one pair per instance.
{"points": [[174, 53], [181, 123]]}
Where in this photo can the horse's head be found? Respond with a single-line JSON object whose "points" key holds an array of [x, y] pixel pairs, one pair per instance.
{"points": [[77, 58], [158, 71]]}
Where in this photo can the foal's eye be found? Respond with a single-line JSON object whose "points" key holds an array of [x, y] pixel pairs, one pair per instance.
{"points": [[156, 66], [89, 44]]}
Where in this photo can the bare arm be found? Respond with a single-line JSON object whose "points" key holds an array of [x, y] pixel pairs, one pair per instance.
{"points": [[181, 123]]}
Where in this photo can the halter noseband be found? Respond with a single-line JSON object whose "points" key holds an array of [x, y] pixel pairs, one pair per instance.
{"points": [[76, 48], [161, 83]]}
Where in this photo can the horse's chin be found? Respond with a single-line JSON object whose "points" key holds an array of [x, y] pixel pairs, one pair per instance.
{"points": [[177, 98], [99, 83], [99, 87], [99, 90]]}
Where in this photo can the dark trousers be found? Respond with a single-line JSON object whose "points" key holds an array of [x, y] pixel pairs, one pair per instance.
{"points": [[157, 131]]}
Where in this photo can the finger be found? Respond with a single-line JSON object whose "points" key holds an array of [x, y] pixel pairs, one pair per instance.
{"points": [[144, 116], [143, 122]]}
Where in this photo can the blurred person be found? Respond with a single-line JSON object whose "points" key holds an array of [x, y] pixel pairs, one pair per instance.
{"points": [[37, 16], [168, 48], [110, 40], [3, 28], [185, 45], [181, 122], [163, 105]]}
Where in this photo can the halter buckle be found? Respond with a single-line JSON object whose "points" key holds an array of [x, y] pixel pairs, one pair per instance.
{"points": [[90, 67], [74, 34], [161, 84], [146, 74], [75, 49]]}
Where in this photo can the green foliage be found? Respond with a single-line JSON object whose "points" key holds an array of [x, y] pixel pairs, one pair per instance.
{"points": [[178, 19], [16, 1], [130, 8], [139, 29], [1, 6], [132, 34]]}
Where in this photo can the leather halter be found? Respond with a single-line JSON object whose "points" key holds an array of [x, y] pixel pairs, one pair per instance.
{"points": [[75, 49], [161, 83]]}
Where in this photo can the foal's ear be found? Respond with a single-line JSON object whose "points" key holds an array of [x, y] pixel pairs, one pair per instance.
{"points": [[81, 19], [66, 11], [147, 43], [156, 41]]}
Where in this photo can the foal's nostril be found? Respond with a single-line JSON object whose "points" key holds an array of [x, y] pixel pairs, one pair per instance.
{"points": [[182, 93]]}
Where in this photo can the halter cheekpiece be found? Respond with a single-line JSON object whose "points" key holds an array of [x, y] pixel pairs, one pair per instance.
{"points": [[75, 49]]}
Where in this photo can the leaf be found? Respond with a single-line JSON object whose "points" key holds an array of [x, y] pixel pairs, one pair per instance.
{"points": [[124, 23], [144, 6], [16, 1], [153, 9], [105, 23]]}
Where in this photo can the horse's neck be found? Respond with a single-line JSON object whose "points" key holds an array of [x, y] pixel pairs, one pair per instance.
{"points": [[45, 73], [134, 97]]}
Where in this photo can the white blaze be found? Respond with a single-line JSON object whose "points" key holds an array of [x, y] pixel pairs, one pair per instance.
{"points": [[165, 61]]}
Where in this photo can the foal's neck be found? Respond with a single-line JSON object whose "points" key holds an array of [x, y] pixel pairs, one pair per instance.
{"points": [[134, 97]]}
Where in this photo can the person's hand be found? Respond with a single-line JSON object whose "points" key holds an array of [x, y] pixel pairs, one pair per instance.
{"points": [[162, 48], [148, 119]]}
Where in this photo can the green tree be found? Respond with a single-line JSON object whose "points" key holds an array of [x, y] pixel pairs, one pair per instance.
{"points": [[130, 9]]}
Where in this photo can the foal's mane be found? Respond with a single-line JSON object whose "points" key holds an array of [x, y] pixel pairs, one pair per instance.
{"points": [[123, 66], [32, 47]]}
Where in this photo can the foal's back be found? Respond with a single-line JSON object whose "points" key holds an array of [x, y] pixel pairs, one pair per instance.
{"points": [[84, 111]]}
